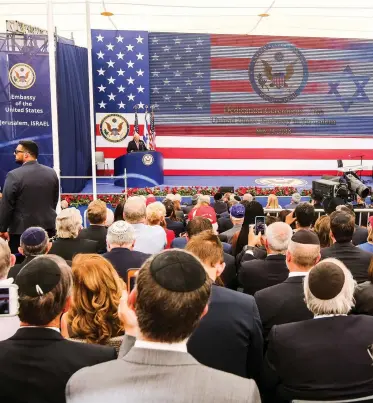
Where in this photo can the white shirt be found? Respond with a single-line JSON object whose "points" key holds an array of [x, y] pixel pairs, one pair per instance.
{"points": [[298, 273], [46, 327], [151, 345], [8, 324], [328, 316], [149, 238]]}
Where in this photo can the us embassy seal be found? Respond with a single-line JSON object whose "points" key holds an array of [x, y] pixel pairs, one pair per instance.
{"points": [[147, 159], [22, 76], [114, 128], [278, 72]]}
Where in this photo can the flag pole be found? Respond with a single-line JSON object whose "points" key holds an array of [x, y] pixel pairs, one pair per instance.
{"points": [[91, 106]]}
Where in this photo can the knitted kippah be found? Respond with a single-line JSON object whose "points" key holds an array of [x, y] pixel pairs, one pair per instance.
{"points": [[33, 236]]}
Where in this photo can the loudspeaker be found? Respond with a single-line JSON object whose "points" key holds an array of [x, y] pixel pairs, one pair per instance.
{"points": [[226, 189]]}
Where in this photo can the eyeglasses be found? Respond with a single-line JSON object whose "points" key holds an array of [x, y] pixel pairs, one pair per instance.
{"points": [[18, 151]]}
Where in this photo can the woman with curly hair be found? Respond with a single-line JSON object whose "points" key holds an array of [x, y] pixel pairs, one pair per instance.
{"points": [[97, 289]]}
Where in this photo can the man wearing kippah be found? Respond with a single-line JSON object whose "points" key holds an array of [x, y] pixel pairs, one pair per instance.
{"points": [[237, 214], [284, 302], [170, 298], [329, 357]]}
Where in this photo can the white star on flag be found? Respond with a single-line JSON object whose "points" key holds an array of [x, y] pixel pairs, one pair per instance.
{"points": [[111, 97], [155, 73], [100, 55], [130, 80], [188, 49], [139, 39], [199, 90], [155, 57], [199, 58], [167, 65], [177, 57], [111, 80], [177, 106], [166, 48], [166, 81], [188, 98], [188, 65], [140, 89], [100, 38], [155, 90], [120, 55], [130, 64], [155, 40], [140, 56], [110, 63], [140, 72], [177, 41], [188, 82], [121, 105], [199, 74], [177, 90], [110, 46], [120, 72], [167, 98], [199, 41], [131, 97], [129, 48], [102, 104], [177, 73], [119, 38], [101, 88], [199, 106], [121, 88], [141, 105], [101, 72]]}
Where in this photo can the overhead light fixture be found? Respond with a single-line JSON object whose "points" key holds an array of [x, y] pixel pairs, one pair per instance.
{"points": [[263, 15], [107, 14]]}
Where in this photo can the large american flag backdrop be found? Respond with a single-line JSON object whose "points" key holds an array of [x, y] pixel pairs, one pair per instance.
{"points": [[236, 104]]}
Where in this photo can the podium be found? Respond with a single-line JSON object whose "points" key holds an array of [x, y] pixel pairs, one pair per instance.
{"points": [[144, 169]]}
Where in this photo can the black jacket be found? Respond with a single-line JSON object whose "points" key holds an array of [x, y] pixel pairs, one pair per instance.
{"points": [[132, 146], [319, 359], [177, 226], [256, 274], [95, 233], [220, 207], [363, 299], [29, 199], [36, 363], [282, 303], [68, 248], [360, 235], [224, 224], [355, 259], [124, 259], [229, 337]]}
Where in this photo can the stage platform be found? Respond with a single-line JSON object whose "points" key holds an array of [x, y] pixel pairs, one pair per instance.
{"points": [[106, 185]]}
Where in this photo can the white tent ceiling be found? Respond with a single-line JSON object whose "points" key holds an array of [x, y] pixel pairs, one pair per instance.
{"points": [[330, 18]]}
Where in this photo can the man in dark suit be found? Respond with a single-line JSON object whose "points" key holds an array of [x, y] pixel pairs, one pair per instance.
{"points": [[44, 293], [229, 337], [121, 239], [136, 144], [284, 303], [219, 205], [96, 214], [342, 226], [324, 358], [256, 274], [30, 196]]}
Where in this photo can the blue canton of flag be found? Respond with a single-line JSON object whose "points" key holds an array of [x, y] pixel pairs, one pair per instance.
{"points": [[120, 70], [180, 73]]}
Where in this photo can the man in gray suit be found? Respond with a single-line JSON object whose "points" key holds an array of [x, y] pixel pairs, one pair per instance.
{"points": [[170, 298], [30, 196]]}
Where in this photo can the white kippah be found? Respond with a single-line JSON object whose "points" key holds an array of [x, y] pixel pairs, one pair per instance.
{"points": [[120, 228]]}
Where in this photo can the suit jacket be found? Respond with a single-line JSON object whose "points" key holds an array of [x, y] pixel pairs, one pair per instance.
{"points": [[158, 376], [176, 226], [319, 359], [29, 199], [220, 207], [95, 233], [363, 299], [224, 224], [124, 259], [360, 235], [36, 363], [355, 259], [282, 303], [229, 336], [256, 274], [132, 146], [68, 248]]}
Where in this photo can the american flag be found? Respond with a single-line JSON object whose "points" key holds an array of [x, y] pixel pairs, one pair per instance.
{"points": [[120, 61], [212, 121]]}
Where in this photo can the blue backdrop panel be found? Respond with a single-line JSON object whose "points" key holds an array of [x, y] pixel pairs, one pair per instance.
{"points": [[144, 169], [25, 113], [73, 116]]}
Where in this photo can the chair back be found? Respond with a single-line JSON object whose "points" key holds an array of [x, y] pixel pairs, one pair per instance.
{"points": [[131, 279], [99, 157], [359, 399]]}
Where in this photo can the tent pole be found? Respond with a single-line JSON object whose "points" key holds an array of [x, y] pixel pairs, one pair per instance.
{"points": [[91, 107], [53, 87]]}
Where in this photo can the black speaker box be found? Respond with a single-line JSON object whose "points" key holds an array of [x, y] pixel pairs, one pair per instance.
{"points": [[226, 189]]}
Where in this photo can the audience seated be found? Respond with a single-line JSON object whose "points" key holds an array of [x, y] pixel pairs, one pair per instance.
{"points": [[232, 324], [171, 296], [203, 209], [149, 239], [303, 216], [284, 302], [96, 215], [173, 223], [156, 215], [219, 205], [324, 358], [67, 244], [256, 274], [237, 214], [93, 313], [368, 246], [187, 209], [178, 210], [8, 325], [364, 295], [248, 197], [342, 226], [322, 229], [36, 362], [224, 221], [121, 239], [283, 214], [295, 200], [272, 202], [34, 241]]}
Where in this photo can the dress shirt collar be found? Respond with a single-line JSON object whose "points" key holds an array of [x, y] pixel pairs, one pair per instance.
{"points": [[180, 347], [298, 273], [43, 327], [327, 316]]}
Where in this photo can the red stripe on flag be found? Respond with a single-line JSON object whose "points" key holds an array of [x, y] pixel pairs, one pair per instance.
{"points": [[263, 153], [112, 152], [106, 172]]}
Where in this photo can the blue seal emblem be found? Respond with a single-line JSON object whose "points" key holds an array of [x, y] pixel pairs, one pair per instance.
{"points": [[278, 72]]}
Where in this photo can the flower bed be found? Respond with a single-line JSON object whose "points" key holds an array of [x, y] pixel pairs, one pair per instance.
{"points": [[85, 199]]}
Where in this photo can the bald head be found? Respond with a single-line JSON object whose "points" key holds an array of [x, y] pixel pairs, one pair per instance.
{"points": [[248, 197]]}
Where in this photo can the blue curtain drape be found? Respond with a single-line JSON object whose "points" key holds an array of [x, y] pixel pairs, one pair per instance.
{"points": [[73, 115]]}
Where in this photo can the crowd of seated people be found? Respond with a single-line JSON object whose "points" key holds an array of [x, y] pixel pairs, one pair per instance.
{"points": [[219, 312]]}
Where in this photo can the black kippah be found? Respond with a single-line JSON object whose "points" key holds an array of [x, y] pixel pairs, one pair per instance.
{"points": [[178, 271], [38, 277], [306, 237], [326, 280]]}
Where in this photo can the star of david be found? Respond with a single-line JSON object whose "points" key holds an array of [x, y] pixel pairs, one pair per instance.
{"points": [[359, 94]]}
